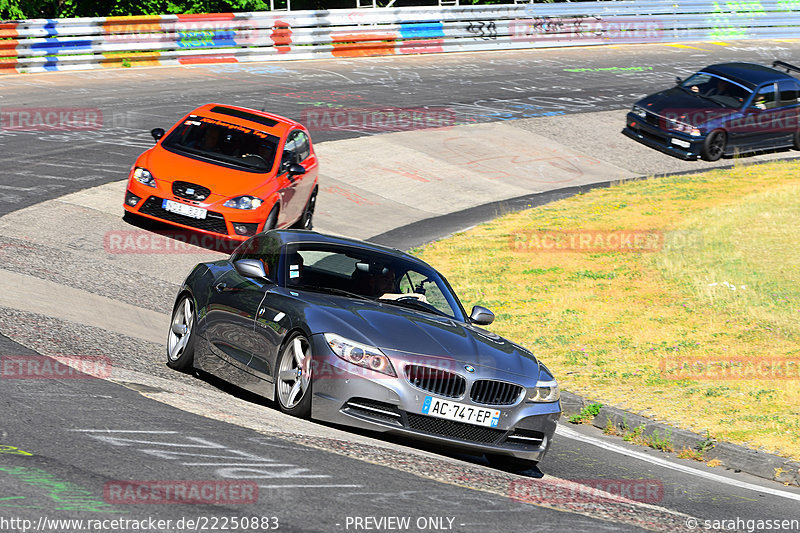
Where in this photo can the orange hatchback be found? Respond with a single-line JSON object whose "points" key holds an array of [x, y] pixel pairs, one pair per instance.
{"points": [[227, 171]]}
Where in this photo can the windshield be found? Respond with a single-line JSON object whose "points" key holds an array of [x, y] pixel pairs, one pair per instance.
{"points": [[220, 141], [369, 274], [719, 90]]}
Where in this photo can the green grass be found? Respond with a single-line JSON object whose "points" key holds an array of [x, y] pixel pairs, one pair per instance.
{"points": [[722, 282]]}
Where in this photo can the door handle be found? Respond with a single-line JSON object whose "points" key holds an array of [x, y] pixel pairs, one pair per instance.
{"points": [[221, 286]]}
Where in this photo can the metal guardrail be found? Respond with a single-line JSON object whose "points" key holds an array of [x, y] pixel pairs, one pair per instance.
{"points": [[89, 43]]}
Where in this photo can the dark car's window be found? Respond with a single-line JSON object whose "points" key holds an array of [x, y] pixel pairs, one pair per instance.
{"points": [[721, 91], [789, 91], [265, 248], [765, 97], [234, 145], [371, 274]]}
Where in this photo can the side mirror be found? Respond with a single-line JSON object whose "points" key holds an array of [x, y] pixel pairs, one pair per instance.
{"points": [[250, 268], [678, 80], [481, 316], [296, 169], [157, 133]]}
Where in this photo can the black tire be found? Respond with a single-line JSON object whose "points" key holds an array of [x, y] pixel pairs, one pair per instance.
{"points": [[510, 464], [796, 140], [181, 337], [293, 377], [714, 146], [306, 220], [272, 219]]}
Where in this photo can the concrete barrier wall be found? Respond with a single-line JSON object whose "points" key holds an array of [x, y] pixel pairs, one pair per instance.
{"points": [[88, 43]]}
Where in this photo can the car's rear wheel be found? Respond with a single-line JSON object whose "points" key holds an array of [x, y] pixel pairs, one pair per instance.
{"points": [[512, 464], [272, 219], [180, 342], [306, 220], [714, 146], [294, 376]]}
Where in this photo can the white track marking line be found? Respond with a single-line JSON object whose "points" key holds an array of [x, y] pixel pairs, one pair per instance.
{"points": [[572, 434]]}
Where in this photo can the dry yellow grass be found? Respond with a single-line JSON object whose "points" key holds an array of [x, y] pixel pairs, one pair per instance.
{"points": [[608, 323]]}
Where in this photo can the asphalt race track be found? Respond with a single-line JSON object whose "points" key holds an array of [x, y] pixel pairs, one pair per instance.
{"points": [[513, 124]]}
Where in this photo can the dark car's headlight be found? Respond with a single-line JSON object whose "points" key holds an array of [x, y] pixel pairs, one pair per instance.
{"points": [[244, 202], [675, 125], [639, 111], [359, 354], [143, 176], [544, 392]]}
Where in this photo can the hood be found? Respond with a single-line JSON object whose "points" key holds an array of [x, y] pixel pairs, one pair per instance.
{"points": [[168, 167], [679, 104], [420, 337]]}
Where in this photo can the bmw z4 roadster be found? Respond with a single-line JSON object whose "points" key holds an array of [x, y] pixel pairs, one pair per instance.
{"points": [[361, 335]]}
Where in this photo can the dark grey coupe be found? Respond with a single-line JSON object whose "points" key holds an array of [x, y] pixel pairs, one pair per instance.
{"points": [[358, 334]]}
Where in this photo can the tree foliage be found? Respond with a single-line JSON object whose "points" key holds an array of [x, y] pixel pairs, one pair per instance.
{"points": [[28, 9]]}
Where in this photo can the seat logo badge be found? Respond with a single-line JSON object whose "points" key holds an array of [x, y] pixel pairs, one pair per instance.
{"points": [[469, 368]]}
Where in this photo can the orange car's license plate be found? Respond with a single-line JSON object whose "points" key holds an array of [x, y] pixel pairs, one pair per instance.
{"points": [[183, 209]]}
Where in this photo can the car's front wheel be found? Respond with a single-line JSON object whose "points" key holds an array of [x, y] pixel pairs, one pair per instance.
{"points": [[294, 376], [180, 342], [714, 146], [272, 219]]}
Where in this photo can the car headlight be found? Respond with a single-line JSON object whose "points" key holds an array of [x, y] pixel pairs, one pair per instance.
{"points": [[360, 354], [639, 111], [244, 202], [544, 392], [143, 176]]}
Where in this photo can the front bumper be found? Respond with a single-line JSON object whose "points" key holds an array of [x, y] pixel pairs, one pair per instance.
{"points": [[675, 144], [344, 394], [218, 223]]}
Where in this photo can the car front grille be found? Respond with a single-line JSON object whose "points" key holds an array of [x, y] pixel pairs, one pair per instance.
{"points": [[454, 430], [491, 392], [652, 119], [436, 381], [190, 191], [214, 222]]}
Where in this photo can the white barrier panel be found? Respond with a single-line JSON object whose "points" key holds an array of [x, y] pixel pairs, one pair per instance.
{"points": [[87, 43]]}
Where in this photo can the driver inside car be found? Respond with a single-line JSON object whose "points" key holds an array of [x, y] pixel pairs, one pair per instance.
{"points": [[379, 281]]}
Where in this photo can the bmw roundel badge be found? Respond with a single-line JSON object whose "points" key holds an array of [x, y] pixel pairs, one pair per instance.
{"points": [[469, 368]]}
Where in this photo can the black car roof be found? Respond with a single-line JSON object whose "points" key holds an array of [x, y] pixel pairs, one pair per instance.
{"points": [[289, 236], [748, 74]]}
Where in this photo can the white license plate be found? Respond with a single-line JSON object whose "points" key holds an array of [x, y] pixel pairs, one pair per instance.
{"points": [[460, 412], [183, 209]]}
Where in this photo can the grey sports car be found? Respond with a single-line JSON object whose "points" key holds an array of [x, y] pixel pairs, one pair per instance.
{"points": [[357, 334]]}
